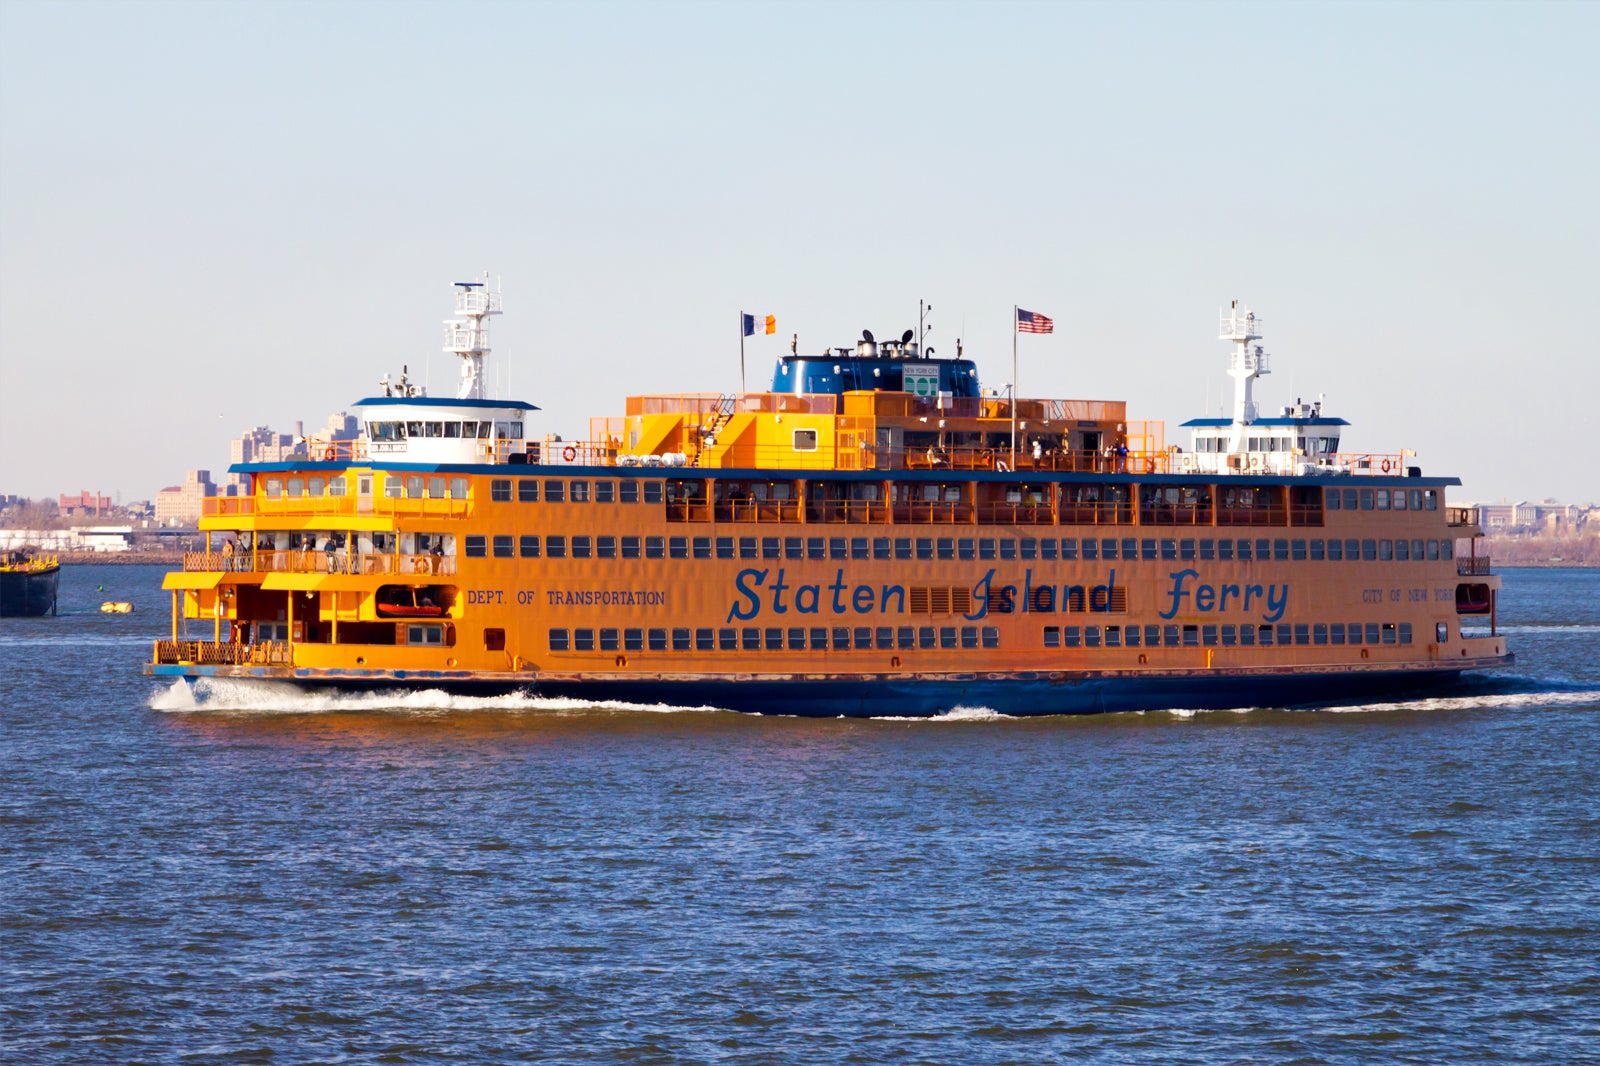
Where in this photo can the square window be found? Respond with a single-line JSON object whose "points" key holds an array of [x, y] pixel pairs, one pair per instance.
{"points": [[1319, 633], [859, 549], [605, 492], [1130, 636], [1071, 636], [816, 548], [947, 547], [749, 548], [880, 548], [633, 640], [500, 490], [555, 547], [724, 548], [1090, 549], [630, 547], [605, 547], [680, 640], [837, 548], [578, 492], [969, 636], [502, 546], [924, 547], [750, 639], [1147, 549], [1336, 633], [1208, 636], [1091, 636], [1008, 548], [1028, 548], [1315, 547], [658, 637], [1047, 549], [628, 492], [771, 548], [705, 640], [819, 639], [906, 637], [583, 640], [863, 637], [1225, 550], [608, 640], [1069, 549], [1052, 636], [1230, 635], [797, 640], [947, 637], [580, 547], [654, 548], [1208, 548], [652, 492], [678, 547], [1302, 633], [987, 549], [476, 546], [793, 548], [774, 639], [1113, 636], [555, 491], [841, 638], [528, 546], [885, 637], [927, 637], [902, 548], [1297, 549], [527, 490], [558, 640], [702, 547]]}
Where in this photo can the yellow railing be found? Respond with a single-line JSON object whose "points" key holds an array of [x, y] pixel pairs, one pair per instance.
{"points": [[335, 506], [222, 653]]}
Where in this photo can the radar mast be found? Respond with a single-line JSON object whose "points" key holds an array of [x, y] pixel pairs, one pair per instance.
{"points": [[468, 334]]}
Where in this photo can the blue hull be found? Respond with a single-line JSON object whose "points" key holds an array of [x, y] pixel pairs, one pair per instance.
{"points": [[879, 697]]}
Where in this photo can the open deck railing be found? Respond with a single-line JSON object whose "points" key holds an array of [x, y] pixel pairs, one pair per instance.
{"points": [[1473, 566], [222, 653]]}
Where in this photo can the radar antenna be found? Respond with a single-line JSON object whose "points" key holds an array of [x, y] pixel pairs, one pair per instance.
{"points": [[468, 334]]}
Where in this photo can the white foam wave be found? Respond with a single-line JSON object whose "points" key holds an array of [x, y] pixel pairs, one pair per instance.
{"points": [[954, 714], [234, 695], [1496, 701]]}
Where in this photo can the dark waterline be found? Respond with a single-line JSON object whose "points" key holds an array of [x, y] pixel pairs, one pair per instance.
{"points": [[276, 877]]}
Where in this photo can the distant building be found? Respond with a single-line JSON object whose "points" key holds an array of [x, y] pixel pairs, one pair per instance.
{"points": [[85, 503], [180, 505], [262, 445], [86, 538]]}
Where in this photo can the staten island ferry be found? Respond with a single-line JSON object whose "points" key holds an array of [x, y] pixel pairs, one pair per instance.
{"points": [[875, 534]]}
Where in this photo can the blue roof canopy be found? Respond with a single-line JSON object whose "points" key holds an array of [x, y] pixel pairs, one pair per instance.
{"points": [[1269, 422], [440, 401]]}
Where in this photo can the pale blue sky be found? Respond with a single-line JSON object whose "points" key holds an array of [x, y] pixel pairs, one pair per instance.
{"points": [[253, 210]]}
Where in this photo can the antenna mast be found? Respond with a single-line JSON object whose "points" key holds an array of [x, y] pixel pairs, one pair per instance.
{"points": [[468, 334]]}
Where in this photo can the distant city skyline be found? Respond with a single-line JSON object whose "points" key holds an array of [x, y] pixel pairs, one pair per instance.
{"points": [[222, 216]]}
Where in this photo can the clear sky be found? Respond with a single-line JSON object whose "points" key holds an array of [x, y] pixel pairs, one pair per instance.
{"points": [[221, 215]]}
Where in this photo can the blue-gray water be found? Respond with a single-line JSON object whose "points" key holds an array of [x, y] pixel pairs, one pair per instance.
{"points": [[277, 878]]}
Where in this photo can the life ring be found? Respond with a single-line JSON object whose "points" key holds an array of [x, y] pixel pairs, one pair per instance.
{"points": [[1149, 466], [1000, 465], [569, 453], [420, 565], [1385, 465], [328, 454]]}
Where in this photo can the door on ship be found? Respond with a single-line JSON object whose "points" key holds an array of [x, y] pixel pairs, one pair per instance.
{"points": [[364, 494]]}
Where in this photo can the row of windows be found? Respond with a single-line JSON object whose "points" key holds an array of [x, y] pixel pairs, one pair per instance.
{"points": [[1070, 549], [578, 491], [1382, 499], [528, 490], [815, 638], [1227, 635]]}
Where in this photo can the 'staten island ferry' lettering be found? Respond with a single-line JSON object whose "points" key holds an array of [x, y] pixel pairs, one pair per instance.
{"points": [[875, 534]]}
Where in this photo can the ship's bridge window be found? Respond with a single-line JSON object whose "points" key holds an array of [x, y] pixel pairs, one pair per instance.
{"points": [[508, 430], [452, 429], [413, 429], [805, 440], [386, 431]]}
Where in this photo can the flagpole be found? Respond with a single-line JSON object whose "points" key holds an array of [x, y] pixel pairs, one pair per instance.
{"points": [[1014, 332], [741, 352]]}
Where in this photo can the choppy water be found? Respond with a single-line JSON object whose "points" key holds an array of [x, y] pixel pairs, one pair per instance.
{"points": [[250, 875]]}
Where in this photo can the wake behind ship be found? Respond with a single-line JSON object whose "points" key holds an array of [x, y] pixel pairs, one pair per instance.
{"points": [[875, 534]]}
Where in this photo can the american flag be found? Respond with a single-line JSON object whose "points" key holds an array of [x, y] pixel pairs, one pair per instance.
{"points": [[1029, 322]]}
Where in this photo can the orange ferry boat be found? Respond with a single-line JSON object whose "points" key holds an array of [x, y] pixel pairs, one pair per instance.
{"points": [[874, 535]]}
